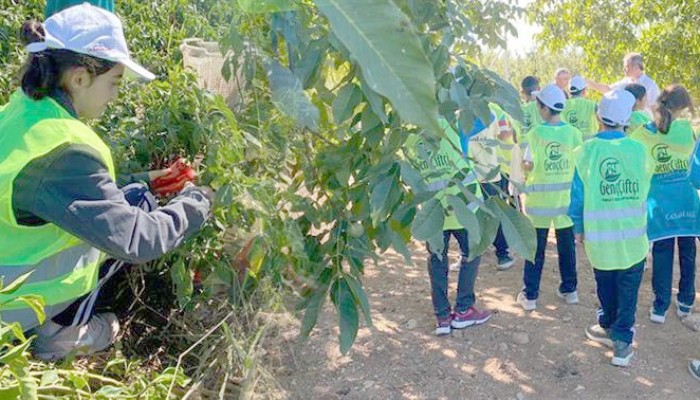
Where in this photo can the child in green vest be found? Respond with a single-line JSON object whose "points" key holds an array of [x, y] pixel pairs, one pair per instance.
{"points": [[608, 207], [579, 110], [548, 160], [64, 216], [531, 116], [439, 167], [639, 117]]}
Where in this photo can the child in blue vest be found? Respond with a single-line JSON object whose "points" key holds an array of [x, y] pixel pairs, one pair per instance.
{"points": [[694, 176], [673, 204]]}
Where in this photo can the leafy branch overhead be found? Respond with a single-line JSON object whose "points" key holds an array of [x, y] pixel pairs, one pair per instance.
{"points": [[357, 79]]}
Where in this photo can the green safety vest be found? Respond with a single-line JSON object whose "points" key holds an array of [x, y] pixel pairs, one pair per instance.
{"points": [[548, 185], [531, 117], [637, 120], [505, 146], [65, 268], [441, 169], [581, 113], [616, 177]]}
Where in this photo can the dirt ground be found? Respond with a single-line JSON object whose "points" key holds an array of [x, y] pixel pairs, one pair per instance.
{"points": [[517, 355]]}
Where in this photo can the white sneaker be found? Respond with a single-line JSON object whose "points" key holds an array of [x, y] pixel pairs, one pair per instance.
{"points": [[527, 305], [54, 342], [569, 298], [683, 310], [656, 318]]}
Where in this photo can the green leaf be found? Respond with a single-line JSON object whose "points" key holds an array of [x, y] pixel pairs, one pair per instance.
{"points": [[360, 297], [412, 177], [78, 380], [383, 41], [429, 221], [385, 194], [312, 309], [345, 102], [375, 101], [36, 303], [266, 6], [347, 312], [466, 218], [289, 97], [15, 285], [183, 282], [489, 228], [110, 391], [517, 228], [399, 245], [14, 353], [49, 377]]}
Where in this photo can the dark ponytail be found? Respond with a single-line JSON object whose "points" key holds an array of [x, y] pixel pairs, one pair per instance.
{"points": [[673, 98], [41, 74]]}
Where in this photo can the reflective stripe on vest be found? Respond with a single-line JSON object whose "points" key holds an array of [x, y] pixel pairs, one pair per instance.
{"points": [[632, 212], [611, 236], [546, 212], [506, 146], [547, 187], [444, 183]]}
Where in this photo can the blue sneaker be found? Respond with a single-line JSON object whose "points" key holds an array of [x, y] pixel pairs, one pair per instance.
{"points": [[622, 354], [505, 262], [656, 317]]}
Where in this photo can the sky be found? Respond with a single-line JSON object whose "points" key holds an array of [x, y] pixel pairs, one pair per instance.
{"points": [[524, 41]]}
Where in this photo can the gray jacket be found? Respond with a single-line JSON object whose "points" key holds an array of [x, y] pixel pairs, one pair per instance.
{"points": [[71, 188]]}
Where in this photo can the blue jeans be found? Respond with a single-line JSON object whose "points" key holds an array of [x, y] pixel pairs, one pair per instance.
{"points": [[617, 292], [438, 271], [532, 274], [662, 273], [500, 241]]}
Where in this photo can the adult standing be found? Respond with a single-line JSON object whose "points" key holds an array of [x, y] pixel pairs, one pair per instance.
{"points": [[562, 76], [633, 67]]}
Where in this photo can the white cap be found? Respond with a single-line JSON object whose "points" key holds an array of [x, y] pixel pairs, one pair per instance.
{"points": [[577, 84], [92, 31], [551, 96], [615, 108]]}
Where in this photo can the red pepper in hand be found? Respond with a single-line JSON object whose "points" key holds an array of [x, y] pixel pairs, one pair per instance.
{"points": [[174, 180]]}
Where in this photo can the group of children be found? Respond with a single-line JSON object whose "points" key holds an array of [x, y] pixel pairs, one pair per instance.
{"points": [[612, 175]]}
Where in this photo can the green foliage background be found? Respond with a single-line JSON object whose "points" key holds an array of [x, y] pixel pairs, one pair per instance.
{"points": [[665, 32]]}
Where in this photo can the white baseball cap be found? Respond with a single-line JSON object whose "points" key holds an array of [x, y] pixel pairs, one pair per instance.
{"points": [[551, 96], [92, 31], [615, 108], [577, 84]]}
